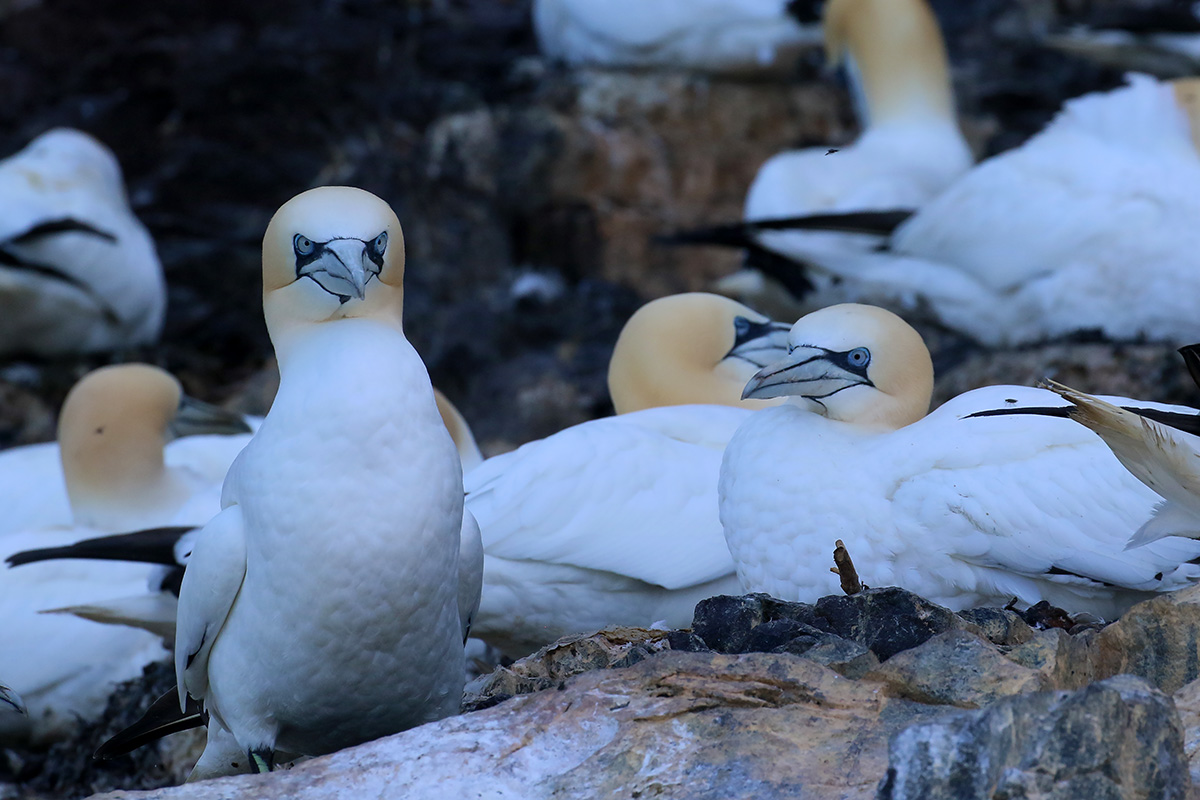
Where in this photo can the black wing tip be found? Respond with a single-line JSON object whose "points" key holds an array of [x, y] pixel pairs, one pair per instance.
{"points": [[151, 546]]}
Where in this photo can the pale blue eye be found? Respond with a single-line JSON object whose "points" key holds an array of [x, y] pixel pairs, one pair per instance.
{"points": [[303, 245], [380, 243], [859, 357]]}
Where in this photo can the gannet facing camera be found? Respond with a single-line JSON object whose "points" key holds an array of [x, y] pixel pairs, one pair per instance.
{"points": [[614, 521], [321, 608], [717, 36], [961, 506], [78, 271]]}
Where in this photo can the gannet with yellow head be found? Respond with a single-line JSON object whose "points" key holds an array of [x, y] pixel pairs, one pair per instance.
{"points": [[119, 473], [691, 348], [969, 505], [78, 271], [322, 607], [614, 521]]}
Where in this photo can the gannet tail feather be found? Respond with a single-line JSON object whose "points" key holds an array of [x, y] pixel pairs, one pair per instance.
{"points": [[151, 546], [163, 718]]}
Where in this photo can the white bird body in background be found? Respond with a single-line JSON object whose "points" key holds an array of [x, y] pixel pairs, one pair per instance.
{"points": [[910, 147], [960, 506], [321, 607], [78, 271], [614, 521], [112, 431], [1088, 226], [719, 36]]}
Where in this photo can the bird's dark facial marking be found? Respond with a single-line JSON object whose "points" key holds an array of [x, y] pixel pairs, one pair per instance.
{"points": [[309, 251]]}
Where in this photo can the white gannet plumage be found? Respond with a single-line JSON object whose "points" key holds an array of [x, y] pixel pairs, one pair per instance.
{"points": [[112, 431], [78, 271], [321, 607], [1090, 225], [614, 521], [1164, 458], [960, 506], [721, 36], [910, 147]]}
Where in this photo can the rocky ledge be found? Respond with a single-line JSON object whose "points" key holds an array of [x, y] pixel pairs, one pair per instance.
{"points": [[881, 694]]}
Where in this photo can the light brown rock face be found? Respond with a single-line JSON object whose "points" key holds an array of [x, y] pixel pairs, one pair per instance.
{"points": [[1158, 640], [682, 725]]}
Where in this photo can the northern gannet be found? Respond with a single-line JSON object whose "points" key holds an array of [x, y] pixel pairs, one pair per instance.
{"points": [[78, 271], [322, 607], [112, 431], [614, 521], [910, 147], [963, 506], [721, 36], [1088, 226]]}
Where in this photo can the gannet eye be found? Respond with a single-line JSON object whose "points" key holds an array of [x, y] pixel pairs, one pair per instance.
{"points": [[859, 357], [741, 326], [380, 243], [303, 244]]}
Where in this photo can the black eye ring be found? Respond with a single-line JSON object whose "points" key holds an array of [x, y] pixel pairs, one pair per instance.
{"points": [[859, 357], [302, 244], [380, 243]]}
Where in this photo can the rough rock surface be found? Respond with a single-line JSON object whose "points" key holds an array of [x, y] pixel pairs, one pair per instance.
{"points": [[1118, 738], [682, 725]]}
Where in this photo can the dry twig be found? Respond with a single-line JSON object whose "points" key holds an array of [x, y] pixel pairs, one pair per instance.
{"points": [[845, 569]]}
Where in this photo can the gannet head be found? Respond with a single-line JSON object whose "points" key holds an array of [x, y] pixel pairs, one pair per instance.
{"points": [[1187, 95], [897, 51], [853, 363], [65, 158], [691, 348], [111, 432], [331, 253]]}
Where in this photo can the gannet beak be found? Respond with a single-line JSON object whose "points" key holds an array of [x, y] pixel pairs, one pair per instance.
{"points": [[195, 417], [759, 343], [9, 699], [812, 372], [341, 267]]}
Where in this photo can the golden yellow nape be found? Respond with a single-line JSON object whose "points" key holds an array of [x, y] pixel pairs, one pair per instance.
{"points": [[1187, 95], [112, 429], [673, 350], [898, 51]]}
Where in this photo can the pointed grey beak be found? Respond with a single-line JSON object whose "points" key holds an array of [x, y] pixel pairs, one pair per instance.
{"points": [[343, 268], [195, 417], [812, 372], [11, 701]]}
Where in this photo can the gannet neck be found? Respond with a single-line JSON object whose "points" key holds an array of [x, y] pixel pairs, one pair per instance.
{"points": [[332, 253], [897, 59], [111, 434], [1187, 95], [678, 350], [852, 363]]}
